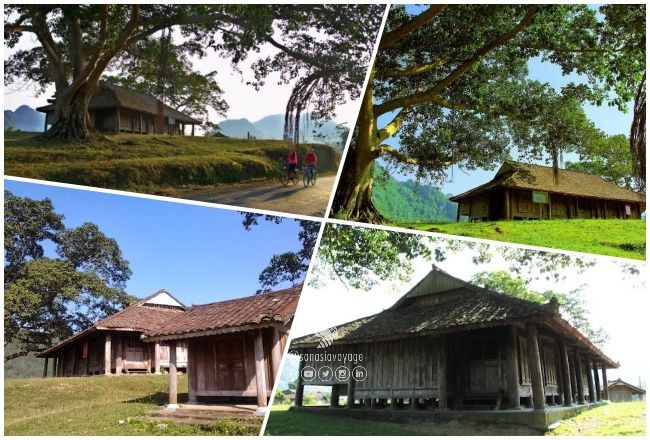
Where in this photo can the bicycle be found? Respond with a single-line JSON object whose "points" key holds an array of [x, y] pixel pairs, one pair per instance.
{"points": [[309, 175], [289, 176]]}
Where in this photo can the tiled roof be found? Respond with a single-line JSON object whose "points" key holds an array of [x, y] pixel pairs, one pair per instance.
{"points": [[130, 99], [139, 317], [254, 310], [540, 178], [619, 382]]}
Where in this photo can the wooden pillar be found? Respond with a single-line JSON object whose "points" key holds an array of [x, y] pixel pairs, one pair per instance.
{"points": [[581, 386], [74, 360], [119, 364], [414, 403], [350, 397], [572, 372], [260, 370], [597, 380], [550, 215], [55, 362], [173, 376], [605, 384], [442, 374], [192, 129], [156, 357], [191, 373], [507, 204], [566, 373], [46, 118], [334, 396], [590, 380], [511, 366], [534, 360], [107, 355], [300, 386], [45, 362], [276, 355], [458, 212]]}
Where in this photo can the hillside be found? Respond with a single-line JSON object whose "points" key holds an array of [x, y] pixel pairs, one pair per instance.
{"points": [[403, 202], [272, 127], [154, 163], [24, 118], [24, 366], [95, 405]]}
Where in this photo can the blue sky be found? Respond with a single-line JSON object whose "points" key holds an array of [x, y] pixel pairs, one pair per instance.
{"points": [[609, 119], [199, 254]]}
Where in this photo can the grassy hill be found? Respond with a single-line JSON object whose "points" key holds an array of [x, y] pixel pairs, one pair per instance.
{"points": [[617, 238], [409, 202], [153, 163], [95, 405]]}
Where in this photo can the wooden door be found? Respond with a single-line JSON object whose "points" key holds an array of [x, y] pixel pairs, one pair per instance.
{"points": [[229, 355], [134, 351], [483, 358]]}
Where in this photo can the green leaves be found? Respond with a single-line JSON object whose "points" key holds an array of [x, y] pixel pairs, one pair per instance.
{"points": [[48, 298]]}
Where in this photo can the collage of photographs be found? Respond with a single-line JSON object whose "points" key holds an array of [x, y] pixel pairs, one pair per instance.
{"points": [[342, 219]]}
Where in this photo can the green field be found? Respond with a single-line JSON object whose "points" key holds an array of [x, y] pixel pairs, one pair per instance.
{"points": [[95, 405], [153, 163], [617, 238], [611, 419]]}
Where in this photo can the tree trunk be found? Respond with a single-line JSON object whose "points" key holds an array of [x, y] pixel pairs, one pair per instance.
{"points": [[72, 121], [353, 199], [637, 136]]}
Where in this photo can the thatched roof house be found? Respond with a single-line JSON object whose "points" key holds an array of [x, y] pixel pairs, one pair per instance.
{"points": [[527, 191], [450, 344], [116, 109]]}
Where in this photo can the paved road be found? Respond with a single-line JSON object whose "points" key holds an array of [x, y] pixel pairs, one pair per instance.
{"points": [[272, 196]]}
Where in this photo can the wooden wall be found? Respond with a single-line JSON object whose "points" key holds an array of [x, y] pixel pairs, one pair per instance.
{"points": [[224, 365], [492, 206]]}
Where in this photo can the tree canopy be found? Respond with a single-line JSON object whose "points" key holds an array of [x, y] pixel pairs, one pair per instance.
{"points": [[324, 48], [48, 298], [452, 82]]}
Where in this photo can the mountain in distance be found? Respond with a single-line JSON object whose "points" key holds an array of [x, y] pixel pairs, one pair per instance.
{"points": [[408, 202], [272, 127], [24, 118]]}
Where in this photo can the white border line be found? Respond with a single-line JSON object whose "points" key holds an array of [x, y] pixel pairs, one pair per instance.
{"points": [[163, 198], [365, 85]]}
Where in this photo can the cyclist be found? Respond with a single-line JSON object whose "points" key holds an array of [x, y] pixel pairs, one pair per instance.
{"points": [[292, 162], [310, 162]]}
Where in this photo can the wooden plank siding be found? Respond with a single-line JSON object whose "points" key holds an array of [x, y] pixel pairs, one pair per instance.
{"points": [[492, 205], [224, 365]]}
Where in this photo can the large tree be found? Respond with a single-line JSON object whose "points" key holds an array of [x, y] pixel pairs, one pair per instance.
{"points": [[51, 295], [322, 47], [448, 81]]}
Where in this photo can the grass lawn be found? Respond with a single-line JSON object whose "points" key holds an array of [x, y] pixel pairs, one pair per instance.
{"points": [[617, 238], [622, 418], [284, 422], [155, 164], [612, 419], [95, 405]]}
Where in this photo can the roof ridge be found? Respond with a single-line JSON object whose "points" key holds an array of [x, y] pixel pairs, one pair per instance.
{"points": [[288, 290]]}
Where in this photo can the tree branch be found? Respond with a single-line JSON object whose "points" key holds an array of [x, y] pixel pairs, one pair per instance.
{"points": [[392, 37], [416, 70], [18, 354], [395, 154], [393, 126], [433, 93]]}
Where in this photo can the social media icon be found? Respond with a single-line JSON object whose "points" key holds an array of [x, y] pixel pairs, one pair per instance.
{"points": [[308, 374], [342, 373], [325, 374], [359, 373]]}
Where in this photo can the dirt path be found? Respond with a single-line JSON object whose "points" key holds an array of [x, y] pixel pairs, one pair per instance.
{"points": [[294, 199]]}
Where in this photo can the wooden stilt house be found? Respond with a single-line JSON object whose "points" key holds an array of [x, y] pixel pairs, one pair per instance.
{"points": [[117, 109], [522, 191], [234, 347], [621, 391], [114, 346], [450, 345]]}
